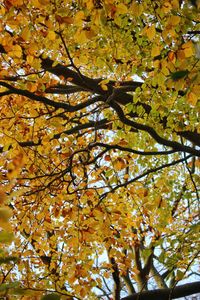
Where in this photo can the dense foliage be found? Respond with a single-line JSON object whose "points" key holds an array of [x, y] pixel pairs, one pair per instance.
{"points": [[100, 147]]}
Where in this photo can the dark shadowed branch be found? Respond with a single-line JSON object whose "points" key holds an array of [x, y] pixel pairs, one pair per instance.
{"points": [[164, 294]]}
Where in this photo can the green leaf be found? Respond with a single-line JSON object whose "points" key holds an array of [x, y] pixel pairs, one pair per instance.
{"points": [[179, 74]]}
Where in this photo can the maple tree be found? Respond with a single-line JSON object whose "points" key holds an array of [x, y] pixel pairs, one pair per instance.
{"points": [[100, 136]]}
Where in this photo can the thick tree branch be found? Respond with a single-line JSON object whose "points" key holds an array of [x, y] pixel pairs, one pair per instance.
{"points": [[120, 95], [174, 145], [47, 101], [127, 149], [65, 89], [72, 76], [116, 279], [84, 83], [115, 276], [128, 283], [164, 294]]}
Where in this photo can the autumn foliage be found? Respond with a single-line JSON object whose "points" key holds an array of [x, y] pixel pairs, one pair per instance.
{"points": [[99, 148]]}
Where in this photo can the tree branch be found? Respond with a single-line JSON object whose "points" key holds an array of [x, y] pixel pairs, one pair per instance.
{"points": [[47, 101], [178, 292], [174, 145], [153, 170]]}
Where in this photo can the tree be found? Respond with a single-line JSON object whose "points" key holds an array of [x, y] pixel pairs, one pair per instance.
{"points": [[99, 148]]}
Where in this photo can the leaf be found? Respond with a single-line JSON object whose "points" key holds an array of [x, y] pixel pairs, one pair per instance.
{"points": [[174, 20], [103, 84], [44, 2], [81, 36], [16, 3], [188, 49], [78, 20], [119, 164], [121, 8], [192, 98], [16, 51], [6, 237], [179, 74], [26, 34], [172, 56], [151, 32], [51, 35], [155, 51], [179, 275], [3, 196], [5, 214]]}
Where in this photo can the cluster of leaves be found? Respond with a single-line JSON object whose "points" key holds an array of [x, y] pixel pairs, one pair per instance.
{"points": [[100, 136]]}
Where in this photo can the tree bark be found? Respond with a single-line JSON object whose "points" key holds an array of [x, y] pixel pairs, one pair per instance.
{"points": [[167, 294]]}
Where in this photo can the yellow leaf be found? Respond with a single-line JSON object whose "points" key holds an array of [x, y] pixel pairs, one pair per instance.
{"points": [[67, 20], [103, 84], [196, 89], [164, 67], [6, 237], [78, 20], [29, 59], [151, 32], [106, 274], [80, 36], [3, 89], [51, 35], [188, 49], [36, 3], [25, 34], [192, 98], [155, 51], [172, 56], [104, 87], [16, 51], [104, 81], [180, 54], [16, 3], [121, 9], [166, 7], [2, 196], [2, 11], [137, 9], [5, 214], [175, 4], [90, 34], [119, 164], [90, 4], [188, 52], [197, 163], [43, 2], [174, 20]]}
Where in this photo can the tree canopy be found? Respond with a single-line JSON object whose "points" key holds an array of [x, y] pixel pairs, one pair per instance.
{"points": [[99, 149]]}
